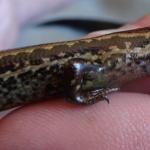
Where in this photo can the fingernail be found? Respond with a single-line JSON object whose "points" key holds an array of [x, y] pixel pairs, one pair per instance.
{"points": [[130, 27]]}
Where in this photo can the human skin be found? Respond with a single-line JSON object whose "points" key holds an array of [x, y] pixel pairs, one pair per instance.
{"points": [[124, 124]]}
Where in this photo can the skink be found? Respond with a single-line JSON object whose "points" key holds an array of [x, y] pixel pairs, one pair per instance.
{"points": [[84, 70]]}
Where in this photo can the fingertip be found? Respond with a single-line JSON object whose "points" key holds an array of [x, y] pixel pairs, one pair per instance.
{"points": [[143, 21], [109, 31], [57, 124], [140, 23]]}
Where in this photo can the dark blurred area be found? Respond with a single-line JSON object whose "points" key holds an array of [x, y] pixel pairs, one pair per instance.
{"points": [[84, 25]]}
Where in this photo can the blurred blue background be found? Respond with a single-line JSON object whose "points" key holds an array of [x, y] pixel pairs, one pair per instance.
{"points": [[111, 10]]}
